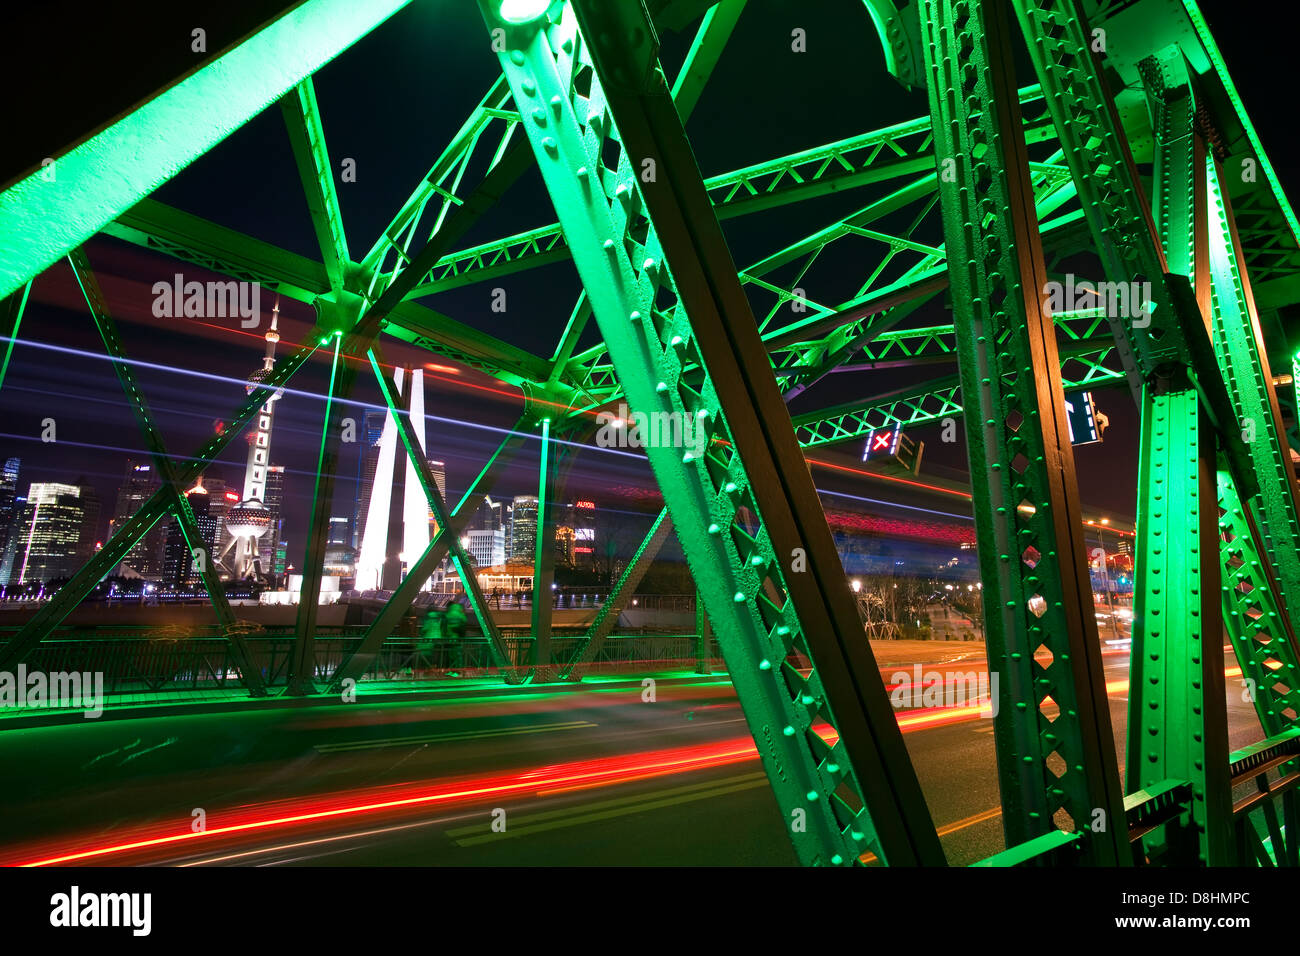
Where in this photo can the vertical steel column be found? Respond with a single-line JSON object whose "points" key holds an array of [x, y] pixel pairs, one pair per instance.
{"points": [[1040, 618], [302, 663], [1177, 724], [684, 344], [1177, 715]]}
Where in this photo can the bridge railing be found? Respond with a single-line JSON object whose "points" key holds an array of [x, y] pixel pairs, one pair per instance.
{"points": [[131, 666]]}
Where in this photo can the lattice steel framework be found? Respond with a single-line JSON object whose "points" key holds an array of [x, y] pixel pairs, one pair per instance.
{"points": [[976, 202]]}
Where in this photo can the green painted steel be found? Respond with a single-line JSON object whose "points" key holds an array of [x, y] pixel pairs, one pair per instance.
{"points": [[12, 309], [1262, 634], [1244, 366], [1177, 716], [652, 326], [1056, 753], [56, 209], [1177, 724], [719, 350]]}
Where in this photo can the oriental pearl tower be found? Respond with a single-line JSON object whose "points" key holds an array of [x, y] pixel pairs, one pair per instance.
{"points": [[249, 520]]}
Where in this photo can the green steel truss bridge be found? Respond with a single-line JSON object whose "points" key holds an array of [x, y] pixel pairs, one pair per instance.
{"points": [[1014, 180]]}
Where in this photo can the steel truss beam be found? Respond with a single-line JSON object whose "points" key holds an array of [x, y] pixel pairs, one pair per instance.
{"points": [[664, 293], [1243, 362], [1040, 625], [1088, 364], [307, 139], [56, 209]]}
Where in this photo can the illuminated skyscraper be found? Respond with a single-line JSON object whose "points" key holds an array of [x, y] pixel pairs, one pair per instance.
{"points": [[250, 520], [53, 532], [138, 485], [180, 564], [9, 512], [523, 529]]}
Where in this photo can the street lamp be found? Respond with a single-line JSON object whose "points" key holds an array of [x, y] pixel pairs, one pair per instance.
{"points": [[857, 585]]}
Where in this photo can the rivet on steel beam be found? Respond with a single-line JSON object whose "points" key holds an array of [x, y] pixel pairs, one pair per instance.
{"points": [[739, 597], [788, 730], [714, 529], [517, 57], [765, 665], [551, 147]]}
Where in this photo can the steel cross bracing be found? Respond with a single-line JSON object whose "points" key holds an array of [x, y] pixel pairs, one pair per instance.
{"points": [[1207, 396], [1056, 753], [166, 470], [645, 278], [150, 513]]}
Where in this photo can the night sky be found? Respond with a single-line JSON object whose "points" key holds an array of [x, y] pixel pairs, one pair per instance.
{"points": [[391, 103]]}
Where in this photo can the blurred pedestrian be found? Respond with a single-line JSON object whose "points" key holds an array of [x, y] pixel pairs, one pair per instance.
{"points": [[454, 622]]}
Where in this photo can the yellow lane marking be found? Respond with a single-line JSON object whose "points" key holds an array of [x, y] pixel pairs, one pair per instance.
{"points": [[953, 827]]}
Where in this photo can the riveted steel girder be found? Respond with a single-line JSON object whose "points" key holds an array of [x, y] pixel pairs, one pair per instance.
{"points": [[1056, 753], [664, 293]]}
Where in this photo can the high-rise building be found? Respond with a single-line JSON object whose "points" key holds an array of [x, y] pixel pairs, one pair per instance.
{"points": [[9, 498], [138, 485], [581, 517], [220, 499], [90, 512], [251, 521], [488, 548], [52, 530], [275, 536], [179, 568], [523, 532]]}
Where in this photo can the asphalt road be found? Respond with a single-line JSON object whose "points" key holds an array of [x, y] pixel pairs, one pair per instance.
{"points": [[597, 776]]}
